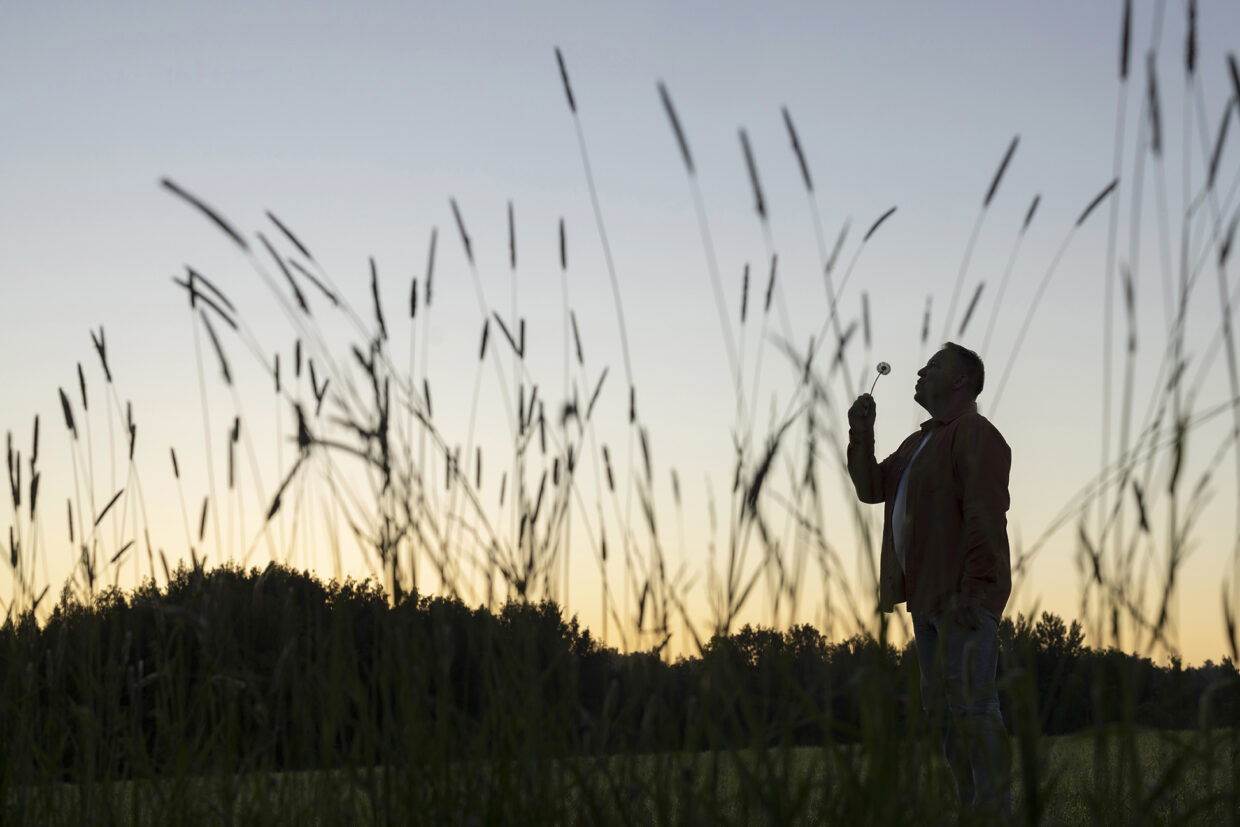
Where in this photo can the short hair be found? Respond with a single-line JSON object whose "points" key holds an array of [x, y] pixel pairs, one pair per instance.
{"points": [[972, 365]]}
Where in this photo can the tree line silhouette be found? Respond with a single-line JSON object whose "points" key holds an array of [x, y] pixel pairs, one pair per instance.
{"points": [[274, 669]]}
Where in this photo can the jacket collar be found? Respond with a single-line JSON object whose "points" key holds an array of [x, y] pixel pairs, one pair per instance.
{"points": [[934, 422]]}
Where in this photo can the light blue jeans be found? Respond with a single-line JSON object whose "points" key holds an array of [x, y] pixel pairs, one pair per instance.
{"points": [[959, 667]]}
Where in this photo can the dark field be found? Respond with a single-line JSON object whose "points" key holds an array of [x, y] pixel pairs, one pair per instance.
{"points": [[1186, 778]]}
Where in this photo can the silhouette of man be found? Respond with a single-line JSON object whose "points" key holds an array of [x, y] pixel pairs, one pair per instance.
{"points": [[945, 554]]}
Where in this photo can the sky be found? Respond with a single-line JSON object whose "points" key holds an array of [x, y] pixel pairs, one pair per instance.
{"points": [[358, 127]]}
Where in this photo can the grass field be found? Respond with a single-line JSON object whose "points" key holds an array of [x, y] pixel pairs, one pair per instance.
{"points": [[1184, 778]]}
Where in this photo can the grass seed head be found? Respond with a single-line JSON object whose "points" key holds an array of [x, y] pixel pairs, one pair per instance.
{"points": [[68, 412], [1098, 199], [430, 264], [577, 339], [1190, 39], [874, 227], [835, 250], [680, 134], [1125, 38], [968, 313], [1003, 165], [770, 284], [1152, 96], [1033, 208], [211, 214], [759, 200], [512, 239], [796, 149], [460, 225], [202, 520], [568, 89], [294, 240], [744, 292], [865, 317], [374, 292]]}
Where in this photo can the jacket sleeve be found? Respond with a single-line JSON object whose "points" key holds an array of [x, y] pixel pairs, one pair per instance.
{"points": [[983, 462], [866, 473]]}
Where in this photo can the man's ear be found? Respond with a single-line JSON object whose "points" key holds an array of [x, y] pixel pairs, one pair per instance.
{"points": [[960, 381]]}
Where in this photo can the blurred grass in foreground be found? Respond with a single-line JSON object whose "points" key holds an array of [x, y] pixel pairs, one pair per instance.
{"points": [[667, 788]]}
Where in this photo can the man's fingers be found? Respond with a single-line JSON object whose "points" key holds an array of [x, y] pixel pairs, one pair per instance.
{"points": [[861, 414]]}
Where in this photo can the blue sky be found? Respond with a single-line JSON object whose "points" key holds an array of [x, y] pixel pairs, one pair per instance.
{"points": [[357, 124]]}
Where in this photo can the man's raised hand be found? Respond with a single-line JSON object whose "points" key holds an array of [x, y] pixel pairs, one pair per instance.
{"points": [[862, 413]]}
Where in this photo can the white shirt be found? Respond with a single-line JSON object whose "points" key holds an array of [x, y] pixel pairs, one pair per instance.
{"points": [[901, 506]]}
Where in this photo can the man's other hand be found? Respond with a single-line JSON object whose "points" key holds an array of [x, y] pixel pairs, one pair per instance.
{"points": [[968, 611], [862, 413]]}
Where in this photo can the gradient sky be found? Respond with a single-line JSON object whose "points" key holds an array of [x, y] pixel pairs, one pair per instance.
{"points": [[357, 124]]}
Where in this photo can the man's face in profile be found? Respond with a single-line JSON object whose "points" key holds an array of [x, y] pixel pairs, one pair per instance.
{"points": [[934, 381]]}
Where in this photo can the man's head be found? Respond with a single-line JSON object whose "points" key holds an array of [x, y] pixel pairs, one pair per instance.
{"points": [[950, 381]]}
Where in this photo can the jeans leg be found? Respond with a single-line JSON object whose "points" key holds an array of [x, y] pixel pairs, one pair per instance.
{"points": [[971, 664], [937, 680]]}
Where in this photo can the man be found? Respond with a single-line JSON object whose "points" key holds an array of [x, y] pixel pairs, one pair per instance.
{"points": [[945, 554]]}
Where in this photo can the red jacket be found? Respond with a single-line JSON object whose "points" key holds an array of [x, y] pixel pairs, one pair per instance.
{"points": [[956, 525]]}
